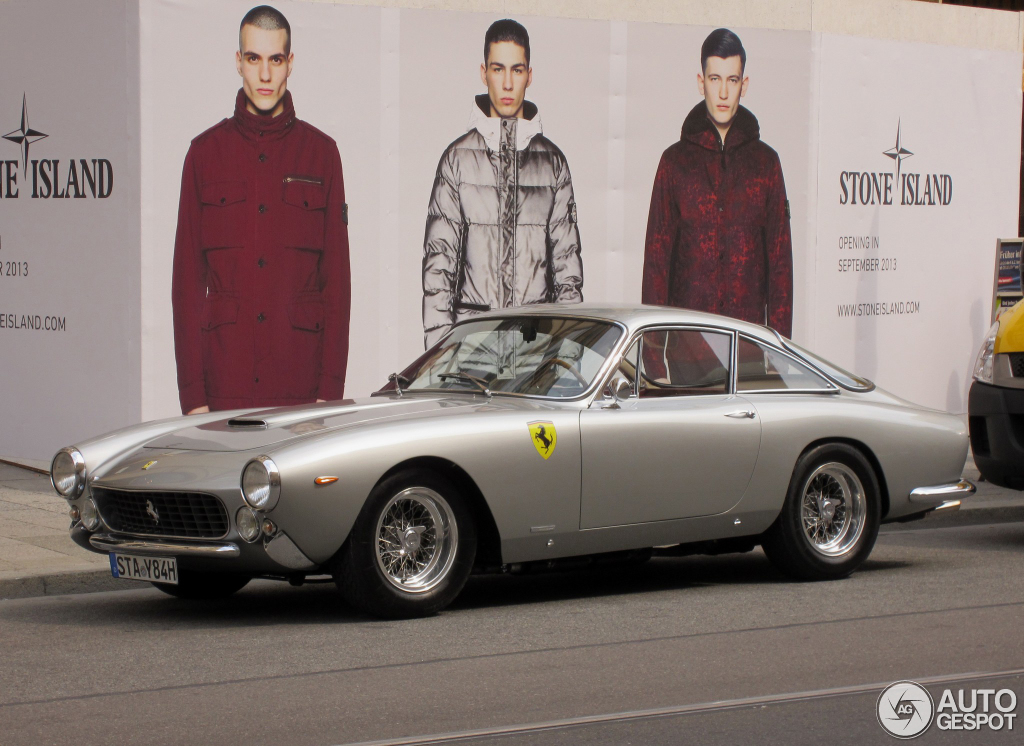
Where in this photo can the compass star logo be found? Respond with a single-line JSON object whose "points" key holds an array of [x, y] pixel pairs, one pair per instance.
{"points": [[905, 709], [24, 135], [899, 153]]}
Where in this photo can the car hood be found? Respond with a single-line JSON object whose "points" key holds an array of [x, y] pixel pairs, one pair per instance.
{"points": [[270, 427]]}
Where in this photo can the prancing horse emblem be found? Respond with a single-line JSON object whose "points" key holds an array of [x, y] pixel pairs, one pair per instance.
{"points": [[544, 437], [151, 511]]}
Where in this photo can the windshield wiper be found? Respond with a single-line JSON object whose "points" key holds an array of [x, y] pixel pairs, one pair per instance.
{"points": [[466, 378], [398, 379]]}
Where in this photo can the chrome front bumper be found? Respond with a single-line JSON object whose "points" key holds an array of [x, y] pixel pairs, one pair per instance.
{"points": [[108, 543], [279, 548]]}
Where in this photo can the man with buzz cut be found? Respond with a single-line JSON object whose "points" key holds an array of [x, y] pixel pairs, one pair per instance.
{"points": [[501, 224], [718, 236], [260, 290]]}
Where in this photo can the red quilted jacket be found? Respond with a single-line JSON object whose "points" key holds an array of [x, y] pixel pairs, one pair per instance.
{"points": [[718, 235]]}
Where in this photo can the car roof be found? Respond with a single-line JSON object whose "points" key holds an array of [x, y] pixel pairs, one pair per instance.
{"points": [[635, 316]]}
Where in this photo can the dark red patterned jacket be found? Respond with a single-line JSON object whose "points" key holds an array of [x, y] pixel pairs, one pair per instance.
{"points": [[718, 235], [261, 291]]}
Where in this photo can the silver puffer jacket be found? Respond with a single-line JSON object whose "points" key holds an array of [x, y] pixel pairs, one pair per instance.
{"points": [[501, 226]]}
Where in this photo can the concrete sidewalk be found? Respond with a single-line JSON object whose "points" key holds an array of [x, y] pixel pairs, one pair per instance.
{"points": [[38, 558]]}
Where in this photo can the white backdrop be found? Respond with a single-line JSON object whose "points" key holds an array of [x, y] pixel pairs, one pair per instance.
{"points": [[76, 373], [393, 87], [959, 112]]}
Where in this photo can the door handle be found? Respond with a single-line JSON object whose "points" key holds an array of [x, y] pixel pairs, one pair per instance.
{"points": [[748, 415]]}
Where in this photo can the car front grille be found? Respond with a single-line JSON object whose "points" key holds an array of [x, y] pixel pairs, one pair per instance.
{"points": [[1017, 364], [186, 515]]}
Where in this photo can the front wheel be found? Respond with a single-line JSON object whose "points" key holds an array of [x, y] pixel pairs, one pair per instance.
{"points": [[411, 548], [829, 522], [204, 586]]}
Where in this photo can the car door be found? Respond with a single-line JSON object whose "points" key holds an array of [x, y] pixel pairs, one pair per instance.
{"points": [[683, 445]]}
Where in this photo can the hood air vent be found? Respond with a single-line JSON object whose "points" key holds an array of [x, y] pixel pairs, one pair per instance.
{"points": [[248, 424]]}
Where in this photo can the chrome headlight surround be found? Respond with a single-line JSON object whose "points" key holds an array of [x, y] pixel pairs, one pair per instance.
{"points": [[986, 356], [67, 473], [260, 484]]}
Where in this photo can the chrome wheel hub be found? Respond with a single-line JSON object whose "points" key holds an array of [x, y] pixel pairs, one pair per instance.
{"points": [[833, 509], [416, 540], [411, 540]]}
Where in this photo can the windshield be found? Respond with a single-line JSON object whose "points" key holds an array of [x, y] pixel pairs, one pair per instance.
{"points": [[533, 356]]}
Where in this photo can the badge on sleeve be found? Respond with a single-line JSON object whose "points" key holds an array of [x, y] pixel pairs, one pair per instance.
{"points": [[572, 212], [344, 213], [543, 436]]}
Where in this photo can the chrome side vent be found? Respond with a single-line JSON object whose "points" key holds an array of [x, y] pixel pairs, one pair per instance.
{"points": [[248, 424]]}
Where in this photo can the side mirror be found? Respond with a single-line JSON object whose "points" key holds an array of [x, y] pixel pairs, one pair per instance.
{"points": [[619, 389]]}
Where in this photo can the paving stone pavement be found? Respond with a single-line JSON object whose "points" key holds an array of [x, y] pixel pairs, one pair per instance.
{"points": [[37, 557]]}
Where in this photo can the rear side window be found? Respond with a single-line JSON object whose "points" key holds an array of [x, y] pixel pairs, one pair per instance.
{"points": [[685, 362], [761, 368]]}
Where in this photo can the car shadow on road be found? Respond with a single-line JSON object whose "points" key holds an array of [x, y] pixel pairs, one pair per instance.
{"points": [[269, 603], [658, 575]]}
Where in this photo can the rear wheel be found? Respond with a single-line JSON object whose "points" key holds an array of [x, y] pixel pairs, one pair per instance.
{"points": [[829, 522], [411, 548], [204, 586]]}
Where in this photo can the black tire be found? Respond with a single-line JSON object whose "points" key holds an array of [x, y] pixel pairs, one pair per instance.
{"points": [[204, 586], [369, 575], [832, 484]]}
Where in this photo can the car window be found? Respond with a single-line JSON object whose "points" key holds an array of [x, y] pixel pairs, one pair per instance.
{"points": [[529, 356], [844, 377], [760, 368], [684, 362]]}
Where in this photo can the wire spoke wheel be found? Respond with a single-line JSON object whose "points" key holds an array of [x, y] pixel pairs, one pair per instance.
{"points": [[833, 509], [416, 540]]}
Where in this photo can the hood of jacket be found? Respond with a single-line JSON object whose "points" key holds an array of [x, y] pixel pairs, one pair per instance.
{"points": [[490, 127], [699, 129]]}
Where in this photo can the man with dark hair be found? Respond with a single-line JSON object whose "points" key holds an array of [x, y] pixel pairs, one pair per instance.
{"points": [[260, 290], [501, 224], [268, 19], [718, 236]]}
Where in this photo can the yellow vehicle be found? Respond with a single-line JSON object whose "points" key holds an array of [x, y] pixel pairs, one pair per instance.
{"points": [[996, 402]]}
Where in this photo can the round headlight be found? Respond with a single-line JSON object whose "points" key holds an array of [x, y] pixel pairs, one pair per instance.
{"points": [[248, 524], [261, 483], [90, 516], [983, 365], [67, 473]]}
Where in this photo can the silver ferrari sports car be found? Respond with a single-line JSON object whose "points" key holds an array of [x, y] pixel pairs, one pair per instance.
{"points": [[534, 437]]}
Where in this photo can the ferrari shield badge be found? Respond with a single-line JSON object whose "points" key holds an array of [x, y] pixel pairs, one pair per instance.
{"points": [[147, 465], [544, 437]]}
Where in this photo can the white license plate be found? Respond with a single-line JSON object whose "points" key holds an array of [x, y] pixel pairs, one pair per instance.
{"points": [[153, 569]]}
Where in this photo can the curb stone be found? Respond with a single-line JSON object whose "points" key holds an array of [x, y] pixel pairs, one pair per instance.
{"points": [[65, 583]]}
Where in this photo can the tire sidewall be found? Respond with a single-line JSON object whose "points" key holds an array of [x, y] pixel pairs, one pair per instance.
{"points": [[787, 544], [361, 579]]}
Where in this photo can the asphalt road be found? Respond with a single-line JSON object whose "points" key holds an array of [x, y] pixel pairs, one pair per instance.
{"points": [[680, 650]]}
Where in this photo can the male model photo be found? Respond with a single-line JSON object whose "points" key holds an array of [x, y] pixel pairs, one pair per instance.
{"points": [[718, 236], [501, 224], [261, 290]]}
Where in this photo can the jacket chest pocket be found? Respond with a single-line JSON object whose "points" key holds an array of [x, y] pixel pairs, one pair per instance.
{"points": [[305, 205], [222, 219]]}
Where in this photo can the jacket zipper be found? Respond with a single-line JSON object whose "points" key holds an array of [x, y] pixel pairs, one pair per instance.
{"points": [[304, 180]]}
